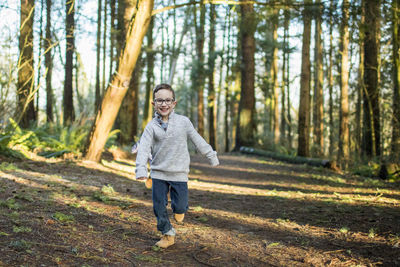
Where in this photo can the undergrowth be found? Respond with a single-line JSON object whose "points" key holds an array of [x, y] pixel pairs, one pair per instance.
{"points": [[48, 140]]}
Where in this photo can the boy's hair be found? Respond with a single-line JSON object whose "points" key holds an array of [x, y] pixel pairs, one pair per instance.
{"points": [[163, 86]]}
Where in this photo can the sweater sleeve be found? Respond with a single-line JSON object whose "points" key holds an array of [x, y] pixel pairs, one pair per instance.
{"points": [[144, 151], [201, 145]]}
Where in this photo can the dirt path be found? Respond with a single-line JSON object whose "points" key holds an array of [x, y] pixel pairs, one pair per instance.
{"points": [[247, 212]]}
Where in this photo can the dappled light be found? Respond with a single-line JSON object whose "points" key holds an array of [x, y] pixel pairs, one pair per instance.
{"points": [[269, 213]]}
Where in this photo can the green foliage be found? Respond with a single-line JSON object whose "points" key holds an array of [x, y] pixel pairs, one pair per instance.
{"points": [[10, 204], [5, 166], [48, 140], [61, 217], [21, 229]]}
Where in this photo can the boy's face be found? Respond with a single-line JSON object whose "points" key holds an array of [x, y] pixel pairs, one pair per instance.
{"points": [[164, 102]]}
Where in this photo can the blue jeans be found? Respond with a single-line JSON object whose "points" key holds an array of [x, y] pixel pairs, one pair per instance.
{"points": [[179, 201]]}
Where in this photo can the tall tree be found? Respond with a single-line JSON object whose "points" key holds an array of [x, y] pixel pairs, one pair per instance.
{"points": [[26, 82], [69, 114], [274, 73], [245, 131], [212, 132], [360, 85], [98, 49], [198, 73], [112, 35], [119, 84], [318, 84], [303, 148], [150, 56], [48, 61], [396, 80], [128, 114], [286, 23], [330, 81], [371, 134], [343, 155]]}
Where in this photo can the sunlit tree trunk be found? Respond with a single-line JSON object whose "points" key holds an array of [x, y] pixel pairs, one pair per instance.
{"points": [[120, 81], [245, 133], [371, 135], [287, 76], [211, 87], [395, 153], [274, 74], [318, 84], [48, 62], [343, 155], [303, 148], [26, 82], [283, 137], [68, 104]]}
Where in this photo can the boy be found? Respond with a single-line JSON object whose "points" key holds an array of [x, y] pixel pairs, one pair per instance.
{"points": [[165, 139]]}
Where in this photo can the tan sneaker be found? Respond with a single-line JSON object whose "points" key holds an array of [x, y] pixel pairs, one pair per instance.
{"points": [[179, 217], [166, 241], [148, 183]]}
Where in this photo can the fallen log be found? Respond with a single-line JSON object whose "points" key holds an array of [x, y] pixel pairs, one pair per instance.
{"points": [[291, 159]]}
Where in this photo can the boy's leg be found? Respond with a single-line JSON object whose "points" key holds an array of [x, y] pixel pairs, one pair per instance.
{"points": [[179, 199], [159, 195]]}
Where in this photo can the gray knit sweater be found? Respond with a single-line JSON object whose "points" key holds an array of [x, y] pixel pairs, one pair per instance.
{"points": [[169, 149]]}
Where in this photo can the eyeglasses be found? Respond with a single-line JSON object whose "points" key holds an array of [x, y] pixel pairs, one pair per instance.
{"points": [[167, 101]]}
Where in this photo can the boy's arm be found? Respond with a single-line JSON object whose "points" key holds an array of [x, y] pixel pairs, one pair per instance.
{"points": [[201, 145], [143, 153]]}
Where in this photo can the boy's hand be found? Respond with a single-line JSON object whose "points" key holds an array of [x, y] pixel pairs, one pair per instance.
{"points": [[141, 178]]}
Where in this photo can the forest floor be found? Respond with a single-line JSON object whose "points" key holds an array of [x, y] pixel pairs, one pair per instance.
{"points": [[249, 211]]}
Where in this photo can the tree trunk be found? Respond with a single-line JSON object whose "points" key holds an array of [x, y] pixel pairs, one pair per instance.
{"points": [[48, 62], [103, 82], [343, 155], [199, 69], [227, 83], [395, 153], [98, 49], [26, 82], [283, 138], [149, 76], [360, 86], [304, 107], [289, 117], [211, 90], [274, 74], [69, 115], [330, 83], [371, 135], [318, 85], [120, 81], [112, 36], [245, 132]]}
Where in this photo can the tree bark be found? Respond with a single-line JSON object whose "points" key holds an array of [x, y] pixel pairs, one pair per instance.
{"points": [[330, 83], [98, 49], [26, 82], [274, 74], [304, 107], [69, 115], [150, 55], [48, 62], [318, 84], [199, 68], [245, 131], [360, 86], [371, 135], [395, 148], [343, 155], [120, 81], [211, 88]]}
